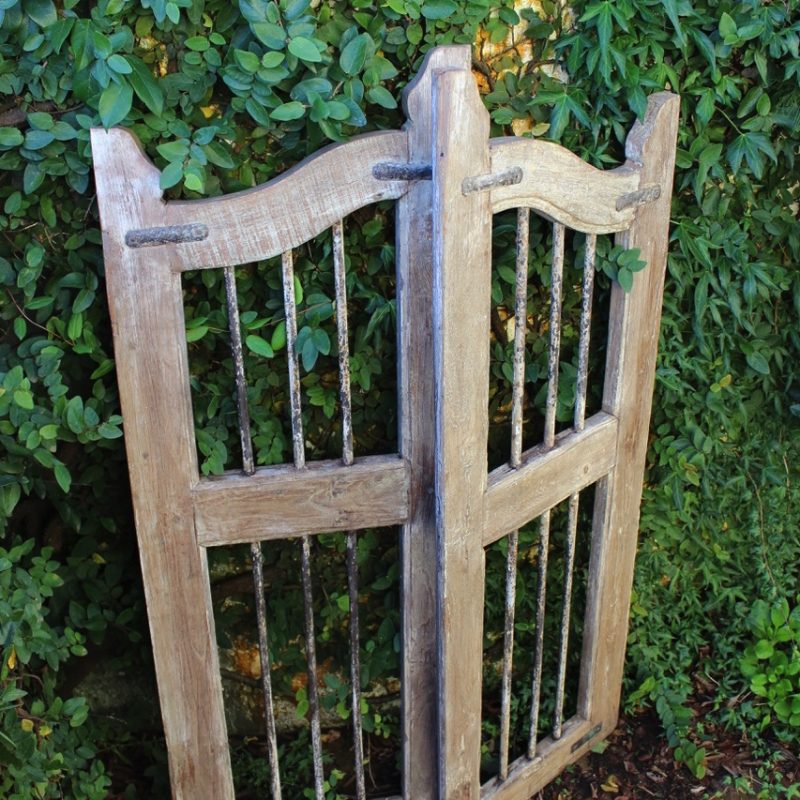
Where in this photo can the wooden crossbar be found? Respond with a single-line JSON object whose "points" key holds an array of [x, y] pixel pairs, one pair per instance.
{"points": [[547, 476], [282, 502]]}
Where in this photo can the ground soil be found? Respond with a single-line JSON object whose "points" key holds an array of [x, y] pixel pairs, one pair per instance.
{"points": [[637, 764]]}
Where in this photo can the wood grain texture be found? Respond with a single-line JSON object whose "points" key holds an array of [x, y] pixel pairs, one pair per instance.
{"points": [[417, 445], [546, 476], [282, 502], [561, 186], [146, 301], [461, 303], [526, 776], [272, 218], [630, 374]]}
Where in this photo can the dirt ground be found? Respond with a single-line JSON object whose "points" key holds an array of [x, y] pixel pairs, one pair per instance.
{"points": [[637, 764]]}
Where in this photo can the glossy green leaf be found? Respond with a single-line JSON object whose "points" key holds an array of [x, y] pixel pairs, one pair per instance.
{"points": [[305, 49], [115, 103]]}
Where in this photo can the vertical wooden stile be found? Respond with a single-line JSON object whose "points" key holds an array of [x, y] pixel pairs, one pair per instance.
{"points": [[630, 373], [462, 225], [417, 445], [146, 301]]}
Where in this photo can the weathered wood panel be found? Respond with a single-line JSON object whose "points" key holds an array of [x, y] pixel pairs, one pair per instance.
{"points": [[526, 776], [630, 374], [282, 502], [417, 443], [461, 302], [146, 301], [270, 219], [561, 186], [547, 476]]}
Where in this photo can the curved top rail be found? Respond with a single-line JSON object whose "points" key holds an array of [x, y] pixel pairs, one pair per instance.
{"points": [[562, 187], [256, 223]]}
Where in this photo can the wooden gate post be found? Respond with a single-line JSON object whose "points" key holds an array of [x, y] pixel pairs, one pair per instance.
{"points": [[630, 373], [462, 231], [146, 302], [417, 435]]}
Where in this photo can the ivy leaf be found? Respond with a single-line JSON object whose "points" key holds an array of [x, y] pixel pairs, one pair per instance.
{"points": [[171, 175], [115, 103], [197, 43], [248, 61], [63, 478], [261, 347], [288, 111], [145, 85], [727, 29], [269, 34], [381, 97], [757, 362], [10, 137], [305, 49], [354, 55], [625, 279], [42, 12], [438, 9], [671, 7], [752, 146], [119, 64]]}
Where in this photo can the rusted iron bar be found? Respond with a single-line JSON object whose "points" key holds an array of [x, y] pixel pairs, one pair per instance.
{"points": [[172, 234], [287, 265], [248, 467], [234, 326], [480, 183], [339, 272], [402, 172], [520, 331], [266, 678], [555, 334], [549, 441], [639, 198], [579, 422]]}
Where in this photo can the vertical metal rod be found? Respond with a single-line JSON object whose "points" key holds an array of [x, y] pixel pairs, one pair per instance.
{"points": [[298, 445], [549, 441], [342, 342], [305, 542], [557, 277], [572, 524], [234, 326], [352, 541], [248, 467], [520, 331]]}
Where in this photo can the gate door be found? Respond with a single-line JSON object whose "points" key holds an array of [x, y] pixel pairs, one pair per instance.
{"points": [[448, 179]]}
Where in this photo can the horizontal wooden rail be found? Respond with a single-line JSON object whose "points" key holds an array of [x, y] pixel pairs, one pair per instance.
{"points": [[266, 220], [546, 477], [281, 502], [562, 187], [526, 776]]}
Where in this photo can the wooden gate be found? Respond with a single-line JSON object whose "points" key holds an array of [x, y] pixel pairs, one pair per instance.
{"points": [[448, 178]]}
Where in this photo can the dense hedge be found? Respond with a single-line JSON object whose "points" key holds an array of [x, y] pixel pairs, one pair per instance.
{"points": [[224, 96]]}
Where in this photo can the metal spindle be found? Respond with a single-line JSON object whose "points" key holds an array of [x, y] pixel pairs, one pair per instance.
{"points": [[549, 441], [305, 542], [352, 541], [520, 330], [578, 424], [248, 467]]}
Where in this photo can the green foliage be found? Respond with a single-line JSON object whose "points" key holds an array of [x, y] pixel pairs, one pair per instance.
{"points": [[45, 753], [772, 664], [226, 95]]}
